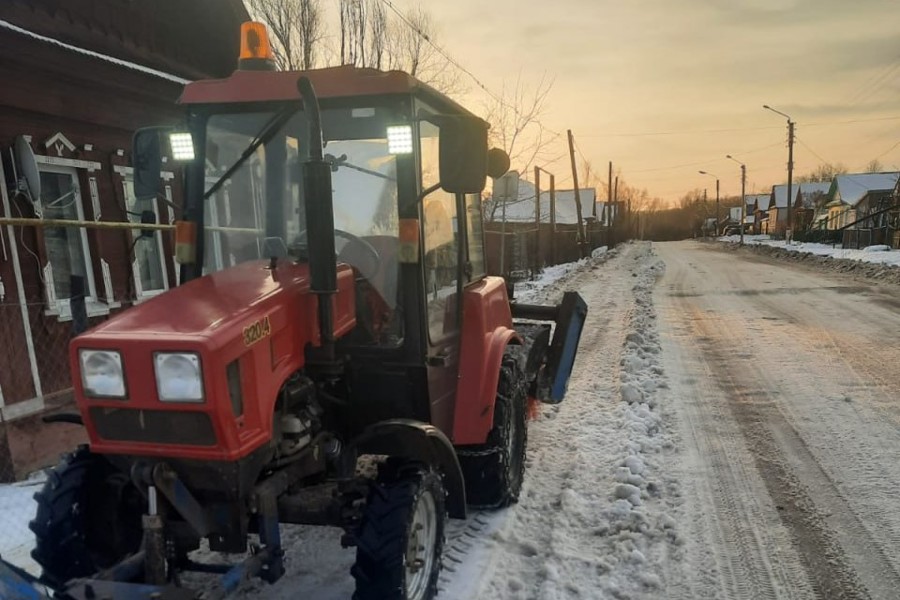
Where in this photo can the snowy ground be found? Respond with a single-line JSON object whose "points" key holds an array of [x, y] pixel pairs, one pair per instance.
{"points": [[17, 508], [873, 254], [731, 431]]}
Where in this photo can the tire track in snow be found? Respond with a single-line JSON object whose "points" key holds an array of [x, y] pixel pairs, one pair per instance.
{"points": [[725, 503], [825, 459]]}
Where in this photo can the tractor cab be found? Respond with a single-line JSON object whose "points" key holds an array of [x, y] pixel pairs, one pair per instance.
{"points": [[403, 210]]}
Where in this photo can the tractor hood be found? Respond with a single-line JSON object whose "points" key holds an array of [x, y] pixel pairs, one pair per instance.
{"points": [[213, 306], [206, 305], [262, 321]]}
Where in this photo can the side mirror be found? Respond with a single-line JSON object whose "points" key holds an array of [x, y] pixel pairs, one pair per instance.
{"points": [[146, 159], [463, 154], [497, 163]]}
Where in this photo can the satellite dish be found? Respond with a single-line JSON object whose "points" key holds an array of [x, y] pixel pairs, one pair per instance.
{"points": [[27, 168]]}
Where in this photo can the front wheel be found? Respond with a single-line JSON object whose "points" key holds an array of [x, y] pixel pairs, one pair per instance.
{"points": [[494, 471], [88, 518], [400, 540]]}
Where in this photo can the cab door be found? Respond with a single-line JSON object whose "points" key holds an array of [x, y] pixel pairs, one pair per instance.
{"points": [[443, 259]]}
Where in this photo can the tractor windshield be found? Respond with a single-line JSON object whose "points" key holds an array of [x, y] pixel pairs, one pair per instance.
{"points": [[263, 196]]}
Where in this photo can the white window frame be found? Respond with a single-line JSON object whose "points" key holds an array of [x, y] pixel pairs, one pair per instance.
{"points": [[216, 237], [127, 174], [62, 307]]}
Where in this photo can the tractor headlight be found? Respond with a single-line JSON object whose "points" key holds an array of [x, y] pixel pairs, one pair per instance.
{"points": [[178, 377], [101, 373]]}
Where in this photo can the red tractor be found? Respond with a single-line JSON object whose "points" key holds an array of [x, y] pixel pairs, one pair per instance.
{"points": [[335, 353]]}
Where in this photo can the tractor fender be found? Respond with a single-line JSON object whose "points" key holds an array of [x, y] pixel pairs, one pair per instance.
{"points": [[479, 375], [418, 441]]}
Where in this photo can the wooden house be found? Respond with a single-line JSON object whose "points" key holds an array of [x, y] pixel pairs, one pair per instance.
{"points": [[80, 76]]}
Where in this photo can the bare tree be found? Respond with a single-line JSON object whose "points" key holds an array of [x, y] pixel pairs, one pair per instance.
{"points": [[296, 27], [354, 32], [874, 166], [515, 116], [378, 30], [824, 172]]}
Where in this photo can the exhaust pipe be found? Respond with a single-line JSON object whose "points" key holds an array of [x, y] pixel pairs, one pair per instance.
{"points": [[319, 212]]}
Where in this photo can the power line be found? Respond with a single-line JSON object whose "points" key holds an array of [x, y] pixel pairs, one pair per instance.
{"points": [[677, 132], [704, 162], [887, 151], [731, 130], [458, 65]]}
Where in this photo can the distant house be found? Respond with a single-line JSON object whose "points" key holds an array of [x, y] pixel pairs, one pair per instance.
{"points": [[846, 192], [523, 210], [808, 198], [78, 79], [758, 211]]}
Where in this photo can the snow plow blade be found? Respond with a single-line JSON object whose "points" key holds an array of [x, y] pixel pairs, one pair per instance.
{"points": [[549, 363], [16, 584]]}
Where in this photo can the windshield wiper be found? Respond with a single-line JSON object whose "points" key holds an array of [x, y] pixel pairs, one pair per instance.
{"points": [[341, 161], [268, 131]]}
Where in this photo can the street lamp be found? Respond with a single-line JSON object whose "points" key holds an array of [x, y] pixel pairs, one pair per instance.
{"points": [[790, 167], [743, 190], [717, 199]]}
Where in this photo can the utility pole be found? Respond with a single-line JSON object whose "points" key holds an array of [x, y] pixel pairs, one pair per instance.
{"points": [[790, 166], [553, 219], [790, 229], [537, 219], [577, 194], [717, 199], [743, 192], [609, 188], [704, 209], [743, 198], [717, 209]]}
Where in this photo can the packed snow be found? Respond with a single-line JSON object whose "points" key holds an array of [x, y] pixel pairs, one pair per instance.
{"points": [[17, 508]]}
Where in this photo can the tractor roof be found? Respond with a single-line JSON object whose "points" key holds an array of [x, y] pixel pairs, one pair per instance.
{"points": [[333, 82]]}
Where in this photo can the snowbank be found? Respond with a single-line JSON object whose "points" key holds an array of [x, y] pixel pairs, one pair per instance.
{"points": [[879, 254]]}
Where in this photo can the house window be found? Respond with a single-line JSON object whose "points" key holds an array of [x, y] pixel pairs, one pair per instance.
{"points": [[148, 268], [68, 255]]}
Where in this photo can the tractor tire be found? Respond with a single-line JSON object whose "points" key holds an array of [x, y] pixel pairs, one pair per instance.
{"points": [[494, 471], [88, 518], [401, 536]]}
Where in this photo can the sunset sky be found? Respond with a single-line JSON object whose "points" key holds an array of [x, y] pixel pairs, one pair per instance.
{"points": [[666, 88]]}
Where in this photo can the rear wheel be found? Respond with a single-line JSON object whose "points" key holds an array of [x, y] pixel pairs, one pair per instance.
{"points": [[400, 540], [88, 518], [494, 471]]}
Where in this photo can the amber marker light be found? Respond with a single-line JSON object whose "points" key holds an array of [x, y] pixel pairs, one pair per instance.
{"points": [[256, 52]]}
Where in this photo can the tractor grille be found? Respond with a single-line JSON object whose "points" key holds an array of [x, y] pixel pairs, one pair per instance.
{"points": [[153, 426]]}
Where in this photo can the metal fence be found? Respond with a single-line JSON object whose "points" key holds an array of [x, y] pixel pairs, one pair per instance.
{"points": [[520, 250], [34, 381]]}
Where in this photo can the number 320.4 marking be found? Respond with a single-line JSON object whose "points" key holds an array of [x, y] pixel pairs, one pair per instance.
{"points": [[257, 331]]}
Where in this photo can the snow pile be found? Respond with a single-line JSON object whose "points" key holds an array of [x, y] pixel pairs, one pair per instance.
{"points": [[638, 528], [550, 278], [879, 254]]}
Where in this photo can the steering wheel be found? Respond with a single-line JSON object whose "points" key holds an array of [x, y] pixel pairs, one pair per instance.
{"points": [[355, 251]]}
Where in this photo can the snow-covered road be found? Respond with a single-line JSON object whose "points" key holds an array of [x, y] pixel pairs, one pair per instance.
{"points": [[731, 431], [786, 384]]}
